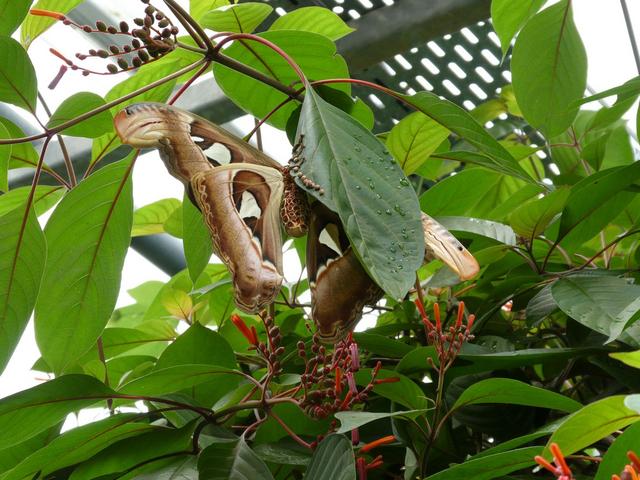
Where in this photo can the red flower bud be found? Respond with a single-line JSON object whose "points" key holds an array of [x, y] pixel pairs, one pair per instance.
{"points": [[376, 443], [250, 335]]}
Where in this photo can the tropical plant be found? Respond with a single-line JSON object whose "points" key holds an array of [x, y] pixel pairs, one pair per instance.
{"points": [[536, 353]]}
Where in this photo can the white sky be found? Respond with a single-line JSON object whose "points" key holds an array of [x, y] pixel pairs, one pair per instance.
{"points": [[611, 63]]}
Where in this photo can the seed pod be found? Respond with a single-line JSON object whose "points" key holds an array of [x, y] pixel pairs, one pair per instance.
{"points": [[101, 26], [112, 68], [124, 27], [122, 63]]}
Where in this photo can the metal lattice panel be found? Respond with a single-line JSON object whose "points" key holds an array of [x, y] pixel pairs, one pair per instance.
{"points": [[463, 67], [347, 9]]}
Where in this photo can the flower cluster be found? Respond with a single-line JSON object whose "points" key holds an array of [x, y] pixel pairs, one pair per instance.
{"points": [[270, 350], [152, 37], [446, 341]]}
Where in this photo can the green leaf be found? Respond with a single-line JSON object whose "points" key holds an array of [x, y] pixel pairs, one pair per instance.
{"points": [[5, 156], [131, 452], [77, 445], [498, 231], [31, 411], [23, 155], [13, 12], [514, 392], [315, 54], [232, 460], [509, 17], [491, 466], [475, 158], [44, 198], [22, 257], [460, 122], [173, 379], [413, 139], [199, 345], [629, 358], [382, 345], [591, 423], [549, 67], [628, 88], [35, 25], [332, 459], [18, 83], [604, 304], [313, 19], [616, 455], [594, 202], [368, 190], [76, 105], [181, 467], [197, 8], [87, 237], [351, 420], [533, 217], [273, 453], [403, 391], [197, 239], [150, 219], [237, 17]]}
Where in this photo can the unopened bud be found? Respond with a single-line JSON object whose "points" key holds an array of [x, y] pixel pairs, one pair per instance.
{"points": [[101, 26], [124, 27], [122, 63], [112, 68]]}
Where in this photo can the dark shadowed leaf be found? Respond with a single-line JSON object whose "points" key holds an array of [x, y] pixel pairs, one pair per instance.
{"points": [[22, 257], [232, 460], [87, 238], [18, 83], [368, 190], [31, 411], [313, 19], [238, 17], [332, 459], [604, 304], [514, 392], [76, 105], [616, 454], [549, 67]]}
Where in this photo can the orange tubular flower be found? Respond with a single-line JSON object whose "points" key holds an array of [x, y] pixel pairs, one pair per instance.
{"points": [[250, 335], [376, 443], [560, 460], [631, 471], [46, 13], [635, 460]]}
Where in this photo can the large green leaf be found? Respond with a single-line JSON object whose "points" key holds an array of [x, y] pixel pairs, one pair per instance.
{"points": [[460, 122], [629, 358], [180, 467], [594, 202], [131, 452], [199, 345], [18, 83], [532, 218], [332, 459], [150, 219], [87, 237], [616, 454], [314, 53], [549, 67], [402, 391], [232, 460], [197, 8], [173, 379], [509, 17], [313, 19], [197, 239], [23, 155], [237, 17], [413, 139], [368, 190], [491, 466], [31, 411], [76, 105], [604, 304], [514, 392], [498, 231], [44, 198], [22, 257], [35, 25], [351, 420], [12, 12], [78, 445], [483, 160], [592, 423]]}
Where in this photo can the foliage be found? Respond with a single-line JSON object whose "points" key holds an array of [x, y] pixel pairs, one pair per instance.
{"points": [[547, 360]]}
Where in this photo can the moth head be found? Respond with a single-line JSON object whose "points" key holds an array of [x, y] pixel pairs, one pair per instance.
{"points": [[146, 125], [333, 332], [441, 244]]}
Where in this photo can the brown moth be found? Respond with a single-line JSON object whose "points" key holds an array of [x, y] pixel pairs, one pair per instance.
{"points": [[340, 286], [238, 189]]}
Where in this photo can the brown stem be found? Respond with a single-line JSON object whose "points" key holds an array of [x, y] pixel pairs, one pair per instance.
{"points": [[291, 433], [195, 30], [188, 83]]}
